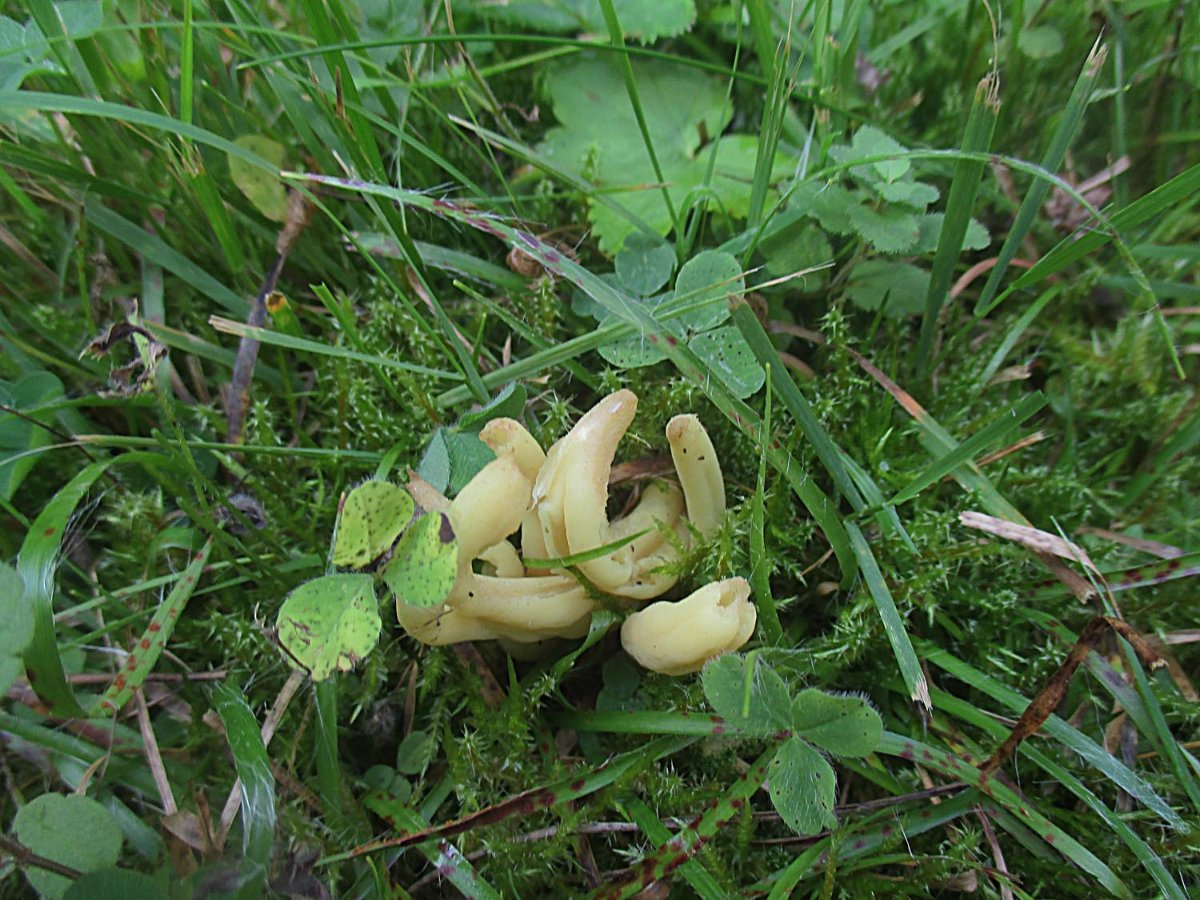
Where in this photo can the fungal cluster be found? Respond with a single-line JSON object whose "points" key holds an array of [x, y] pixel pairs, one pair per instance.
{"points": [[556, 502]]}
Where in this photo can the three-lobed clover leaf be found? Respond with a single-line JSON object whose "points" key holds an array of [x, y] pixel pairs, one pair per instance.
{"points": [[753, 698], [692, 313]]}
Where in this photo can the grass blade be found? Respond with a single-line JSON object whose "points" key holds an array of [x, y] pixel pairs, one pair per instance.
{"points": [[1140, 849], [1072, 118], [572, 788], [153, 249], [37, 564], [685, 844], [1177, 193], [939, 442], [968, 174], [257, 783], [951, 766], [791, 397], [616, 38], [158, 632], [698, 877], [992, 433], [760, 571], [893, 624], [317, 348], [1076, 741]]}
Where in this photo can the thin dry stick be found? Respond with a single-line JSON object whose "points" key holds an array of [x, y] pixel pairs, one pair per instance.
{"points": [[234, 800], [23, 856], [153, 757], [106, 677], [1052, 692], [298, 216], [997, 854]]}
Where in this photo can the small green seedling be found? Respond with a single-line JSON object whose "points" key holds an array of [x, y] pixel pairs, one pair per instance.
{"points": [[372, 518]]}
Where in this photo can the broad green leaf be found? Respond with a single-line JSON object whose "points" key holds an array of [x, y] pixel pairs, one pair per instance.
{"points": [[598, 139], [23, 52], [747, 693], [828, 203], [265, 192], [388, 19], [74, 830], [644, 264], [869, 141], [16, 625], [643, 21], [425, 562], [841, 725], [889, 230], [802, 245], [452, 459], [116, 884], [916, 194], [901, 286], [802, 785], [704, 285], [18, 434], [1040, 42], [80, 18], [509, 403], [730, 358], [372, 518], [330, 623], [977, 237]]}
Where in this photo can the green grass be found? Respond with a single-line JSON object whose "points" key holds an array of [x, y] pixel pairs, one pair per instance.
{"points": [[448, 168]]}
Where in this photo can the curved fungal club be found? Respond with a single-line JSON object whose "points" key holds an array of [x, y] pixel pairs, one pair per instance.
{"points": [[556, 503]]}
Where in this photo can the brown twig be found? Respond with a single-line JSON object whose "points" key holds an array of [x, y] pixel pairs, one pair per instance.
{"points": [[675, 823], [1042, 706], [153, 757], [997, 854], [106, 677], [23, 856], [298, 216]]}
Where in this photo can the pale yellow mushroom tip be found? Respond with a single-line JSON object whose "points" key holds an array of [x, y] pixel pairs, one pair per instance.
{"points": [[558, 502], [679, 426], [680, 637]]}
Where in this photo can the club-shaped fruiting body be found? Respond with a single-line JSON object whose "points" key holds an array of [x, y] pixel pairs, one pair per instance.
{"points": [[557, 500], [680, 637]]}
